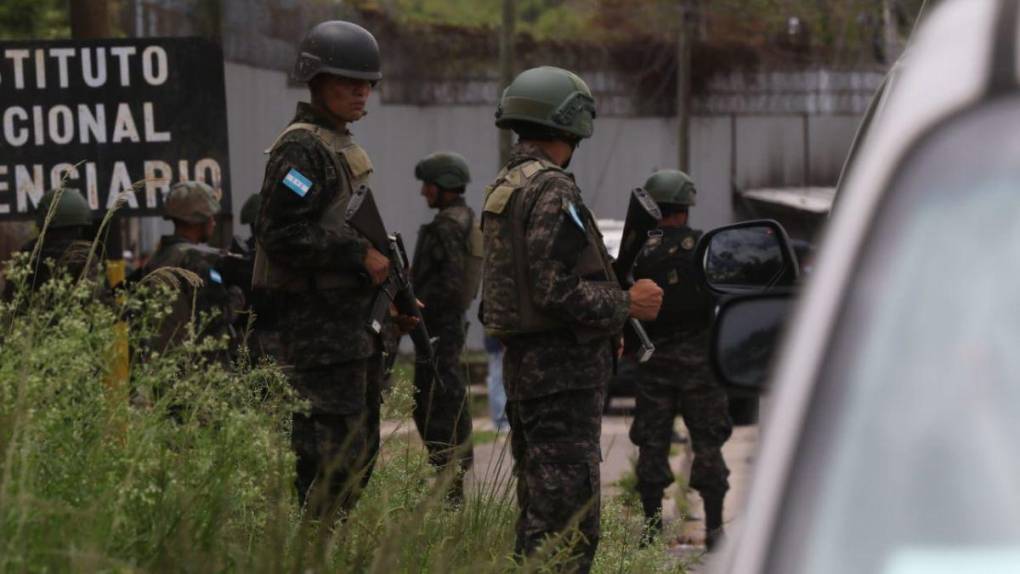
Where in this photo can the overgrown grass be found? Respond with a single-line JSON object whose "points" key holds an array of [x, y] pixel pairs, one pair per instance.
{"points": [[187, 466]]}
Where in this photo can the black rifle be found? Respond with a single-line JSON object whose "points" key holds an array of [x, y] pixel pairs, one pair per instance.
{"points": [[643, 217], [363, 215]]}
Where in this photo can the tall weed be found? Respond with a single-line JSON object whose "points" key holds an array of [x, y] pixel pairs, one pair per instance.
{"points": [[187, 465]]}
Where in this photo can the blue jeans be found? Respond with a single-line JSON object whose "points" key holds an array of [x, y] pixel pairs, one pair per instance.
{"points": [[497, 394]]}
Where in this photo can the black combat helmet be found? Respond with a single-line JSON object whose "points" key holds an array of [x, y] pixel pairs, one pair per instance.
{"points": [[339, 48]]}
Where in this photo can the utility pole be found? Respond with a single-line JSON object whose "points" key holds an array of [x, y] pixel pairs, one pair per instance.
{"points": [[506, 70], [890, 33], [90, 19], [686, 28]]}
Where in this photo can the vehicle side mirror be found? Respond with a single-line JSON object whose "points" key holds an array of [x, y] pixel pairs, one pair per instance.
{"points": [[745, 335], [748, 257]]}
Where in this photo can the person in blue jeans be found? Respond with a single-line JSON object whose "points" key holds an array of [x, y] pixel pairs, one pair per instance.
{"points": [[494, 382]]}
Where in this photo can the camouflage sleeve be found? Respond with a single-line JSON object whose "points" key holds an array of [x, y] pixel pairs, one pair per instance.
{"points": [[440, 283], [554, 245], [289, 228]]}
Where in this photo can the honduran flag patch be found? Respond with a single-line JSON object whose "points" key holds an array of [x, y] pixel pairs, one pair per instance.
{"points": [[297, 182]]}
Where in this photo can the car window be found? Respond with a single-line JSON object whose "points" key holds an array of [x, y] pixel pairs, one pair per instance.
{"points": [[910, 458]]}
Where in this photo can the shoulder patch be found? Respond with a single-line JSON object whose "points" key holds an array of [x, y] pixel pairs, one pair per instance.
{"points": [[571, 210], [688, 243], [297, 182], [215, 276]]}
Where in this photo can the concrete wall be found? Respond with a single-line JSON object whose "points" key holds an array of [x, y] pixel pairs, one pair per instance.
{"points": [[770, 150]]}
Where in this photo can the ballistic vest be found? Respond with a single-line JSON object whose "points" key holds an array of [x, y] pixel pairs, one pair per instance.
{"points": [[173, 255], [350, 161], [213, 291], [669, 261], [508, 309], [473, 250]]}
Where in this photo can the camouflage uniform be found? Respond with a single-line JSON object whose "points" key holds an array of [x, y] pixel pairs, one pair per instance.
{"points": [[310, 265], [441, 411], [555, 370], [214, 298], [63, 241], [68, 255], [677, 379]]}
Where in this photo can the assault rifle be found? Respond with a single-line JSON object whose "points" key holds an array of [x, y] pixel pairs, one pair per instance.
{"points": [[363, 215], [643, 217]]}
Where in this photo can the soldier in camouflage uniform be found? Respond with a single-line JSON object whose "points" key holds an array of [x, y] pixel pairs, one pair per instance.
{"points": [[549, 294], [320, 275], [192, 206], [677, 379], [445, 274], [66, 240]]}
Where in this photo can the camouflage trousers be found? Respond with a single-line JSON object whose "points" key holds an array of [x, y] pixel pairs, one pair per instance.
{"points": [[337, 441], [441, 412], [556, 450], [666, 389]]}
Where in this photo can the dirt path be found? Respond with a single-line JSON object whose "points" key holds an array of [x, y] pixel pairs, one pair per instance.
{"points": [[493, 463]]}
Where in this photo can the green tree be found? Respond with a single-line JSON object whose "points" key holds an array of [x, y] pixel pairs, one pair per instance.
{"points": [[30, 19]]}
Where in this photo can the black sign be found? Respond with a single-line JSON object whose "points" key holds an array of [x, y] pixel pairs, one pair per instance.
{"points": [[114, 119]]}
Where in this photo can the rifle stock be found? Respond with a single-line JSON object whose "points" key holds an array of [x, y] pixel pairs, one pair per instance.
{"points": [[643, 217]]}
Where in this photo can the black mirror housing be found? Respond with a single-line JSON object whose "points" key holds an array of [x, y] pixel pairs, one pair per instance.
{"points": [[745, 335], [747, 257]]}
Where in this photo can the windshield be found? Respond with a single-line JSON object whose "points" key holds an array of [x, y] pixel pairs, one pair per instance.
{"points": [[910, 460]]}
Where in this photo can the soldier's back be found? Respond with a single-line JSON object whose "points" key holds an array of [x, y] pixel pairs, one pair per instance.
{"points": [[57, 256]]}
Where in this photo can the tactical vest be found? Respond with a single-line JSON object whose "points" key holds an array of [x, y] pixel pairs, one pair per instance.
{"points": [[213, 292], [669, 261], [473, 250], [174, 255], [508, 308], [350, 161]]}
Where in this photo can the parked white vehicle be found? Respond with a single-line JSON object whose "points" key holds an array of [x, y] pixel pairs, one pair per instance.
{"points": [[890, 441]]}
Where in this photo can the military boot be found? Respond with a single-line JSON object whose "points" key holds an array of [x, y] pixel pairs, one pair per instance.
{"points": [[713, 520], [653, 519]]}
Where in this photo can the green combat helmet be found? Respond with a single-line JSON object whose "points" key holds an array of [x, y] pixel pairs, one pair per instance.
{"points": [[338, 48], [671, 186], [191, 202], [548, 97], [250, 210], [448, 170], [72, 210]]}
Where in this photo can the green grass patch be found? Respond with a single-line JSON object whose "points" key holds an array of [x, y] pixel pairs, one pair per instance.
{"points": [[627, 484], [187, 464], [479, 437], [683, 508]]}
